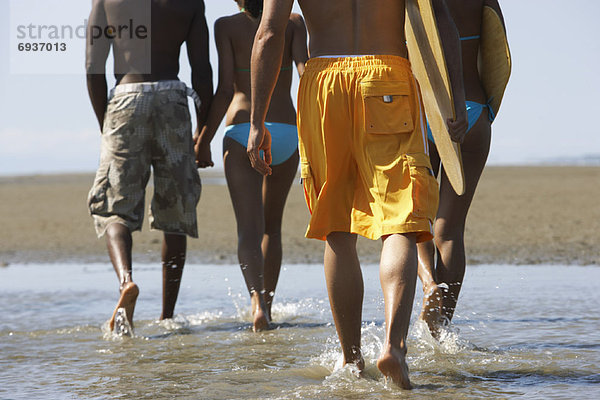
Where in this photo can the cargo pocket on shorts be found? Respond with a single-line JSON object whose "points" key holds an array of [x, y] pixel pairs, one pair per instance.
{"points": [[96, 201], [308, 184], [387, 107], [425, 193]]}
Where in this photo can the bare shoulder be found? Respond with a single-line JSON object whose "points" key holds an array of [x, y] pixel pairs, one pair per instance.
{"points": [[229, 23]]}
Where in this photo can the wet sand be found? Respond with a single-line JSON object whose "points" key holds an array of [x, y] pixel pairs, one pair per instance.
{"points": [[520, 215]]}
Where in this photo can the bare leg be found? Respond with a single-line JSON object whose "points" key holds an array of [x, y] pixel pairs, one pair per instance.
{"points": [[398, 275], [432, 296], [345, 288], [245, 189], [275, 191], [119, 244], [431, 310], [452, 214], [173, 259]]}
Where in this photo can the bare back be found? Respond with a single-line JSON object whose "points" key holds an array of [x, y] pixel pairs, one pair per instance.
{"points": [[354, 27], [240, 30], [170, 24]]}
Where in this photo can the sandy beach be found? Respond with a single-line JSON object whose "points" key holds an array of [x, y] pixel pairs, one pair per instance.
{"points": [[520, 215]]}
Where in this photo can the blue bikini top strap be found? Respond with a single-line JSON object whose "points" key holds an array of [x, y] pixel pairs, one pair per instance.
{"points": [[470, 37]]}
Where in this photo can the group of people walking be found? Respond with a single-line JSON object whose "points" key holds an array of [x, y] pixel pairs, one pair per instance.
{"points": [[360, 139]]}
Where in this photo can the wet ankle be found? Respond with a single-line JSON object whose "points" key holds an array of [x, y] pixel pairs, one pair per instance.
{"points": [[124, 284]]}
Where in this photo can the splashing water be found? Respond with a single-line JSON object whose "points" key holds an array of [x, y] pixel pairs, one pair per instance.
{"points": [[122, 326], [497, 346]]}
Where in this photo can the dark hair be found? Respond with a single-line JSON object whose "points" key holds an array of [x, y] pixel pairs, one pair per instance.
{"points": [[253, 7]]}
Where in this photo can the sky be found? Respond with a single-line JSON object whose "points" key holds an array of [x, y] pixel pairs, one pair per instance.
{"points": [[548, 114]]}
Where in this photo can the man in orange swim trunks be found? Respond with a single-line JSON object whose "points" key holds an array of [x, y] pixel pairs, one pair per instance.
{"points": [[363, 150]]}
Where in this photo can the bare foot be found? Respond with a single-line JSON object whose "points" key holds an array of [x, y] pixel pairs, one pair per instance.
{"points": [[129, 295], [358, 366], [392, 364], [431, 312], [261, 319]]}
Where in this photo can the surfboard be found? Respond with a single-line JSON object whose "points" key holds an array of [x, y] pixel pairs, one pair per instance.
{"points": [[494, 58], [429, 67]]}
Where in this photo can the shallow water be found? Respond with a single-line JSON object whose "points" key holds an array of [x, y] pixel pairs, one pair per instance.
{"points": [[518, 331]]}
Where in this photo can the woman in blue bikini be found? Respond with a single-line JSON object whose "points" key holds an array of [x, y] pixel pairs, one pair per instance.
{"points": [[258, 201], [442, 280]]}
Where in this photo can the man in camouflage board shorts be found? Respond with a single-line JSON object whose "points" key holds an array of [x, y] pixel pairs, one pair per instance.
{"points": [[145, 125]]}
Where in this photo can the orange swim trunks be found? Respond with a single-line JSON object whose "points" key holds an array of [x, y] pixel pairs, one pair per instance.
{"points": [[363, 148]]}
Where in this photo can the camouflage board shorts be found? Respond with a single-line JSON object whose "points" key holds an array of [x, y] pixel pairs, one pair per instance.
{"points": [[147, 125]]}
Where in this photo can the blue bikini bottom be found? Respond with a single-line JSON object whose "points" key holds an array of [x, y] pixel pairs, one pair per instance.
{"points": [[474, 111], [284, 139]]}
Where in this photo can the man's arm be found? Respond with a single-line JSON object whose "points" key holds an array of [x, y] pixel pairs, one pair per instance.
{"points": [[452, 52], [265, 64], [96, 52], [198, 54], [223, 95]]}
